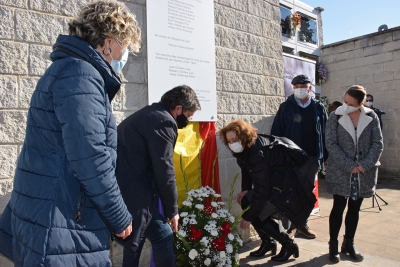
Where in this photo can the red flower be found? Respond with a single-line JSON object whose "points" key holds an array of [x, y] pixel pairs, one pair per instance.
{"points": [[219, 243], [194, 233], [208, 208], [225, 228]]}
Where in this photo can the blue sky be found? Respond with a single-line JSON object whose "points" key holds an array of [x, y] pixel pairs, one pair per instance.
{"points": [[346, 19]]}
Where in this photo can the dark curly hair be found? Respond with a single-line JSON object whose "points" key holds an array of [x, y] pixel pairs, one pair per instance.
{"points": [[181, 95], [245, 132], [101, 19]]}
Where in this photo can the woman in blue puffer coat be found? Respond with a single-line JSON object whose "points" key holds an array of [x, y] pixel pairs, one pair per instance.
{"points": [[66, 199]]}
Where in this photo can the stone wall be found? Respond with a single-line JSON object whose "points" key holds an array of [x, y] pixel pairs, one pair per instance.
{"points": [[248, 61], [372, 61]]}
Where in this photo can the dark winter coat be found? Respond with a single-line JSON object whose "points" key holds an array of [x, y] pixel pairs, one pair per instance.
{"points": [[343, 144], [145, 169], [272, 176], [287, 123], [67, 164]]}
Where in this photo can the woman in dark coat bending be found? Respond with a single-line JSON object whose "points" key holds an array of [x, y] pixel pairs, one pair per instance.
{"points": [[268, 185]]}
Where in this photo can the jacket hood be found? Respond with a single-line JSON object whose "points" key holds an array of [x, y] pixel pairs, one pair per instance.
{"points": [[77, 47]]}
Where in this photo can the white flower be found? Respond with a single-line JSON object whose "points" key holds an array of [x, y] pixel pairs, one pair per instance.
{"points": [[239, 241], [182, 233], [229, 248], [214, 215], [207, 262], [193, 221], [187, 203], [214, 233], [236, 256], [214, 204], [222, 254], [204, 241], [193, 254], [217, 195], [231, 219], [206, 252], [185, 221], [230, 236], [184, 214], [199, 206]]}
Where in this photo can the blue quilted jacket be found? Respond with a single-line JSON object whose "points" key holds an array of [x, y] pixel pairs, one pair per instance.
{"points": [[66, 199]]}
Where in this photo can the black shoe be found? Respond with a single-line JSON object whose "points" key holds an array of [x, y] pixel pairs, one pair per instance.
{"points": [[334, 255], [268, 244], [287, 250], [348, 248]]}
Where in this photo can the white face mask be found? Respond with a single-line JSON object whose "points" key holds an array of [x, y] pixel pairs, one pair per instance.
{"points": [[301, 93], [348, 109], [119, 64], [368, 104], [236, 147]]}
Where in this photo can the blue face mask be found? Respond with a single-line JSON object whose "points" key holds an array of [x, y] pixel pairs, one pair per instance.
{"points": [[119, 64]]}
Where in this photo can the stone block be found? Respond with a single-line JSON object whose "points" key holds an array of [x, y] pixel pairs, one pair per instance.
{"points": [[357, 53], [139, 12], [261, 9], [243, 82], [392, 65], [262, 122], [6, 23], [8, 89], [68, 8], [330, 50], [238, 61], [14, 3], [135, 70], [364, 61], [334, 58], [365, 42], [272, 104], [236, 4], [383, 76], [365, 79], [26, 87], [348, 46], [384, 57], [238, 20], [135, 96], [38, 28], [373, 50], [382, 38], [273, 67], [227, 102], [13, 124], [396, 75], [274, 86], [39, 59], [392, 46], [347, 82], [219, 80], [141, 2], [271, 30], [6, 186], [372, 69], [8, 158], [396, 35], [251, 104], [13, 58]]}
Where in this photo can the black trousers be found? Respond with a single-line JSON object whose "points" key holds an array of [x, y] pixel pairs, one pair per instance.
{"points": [[351, 219]]}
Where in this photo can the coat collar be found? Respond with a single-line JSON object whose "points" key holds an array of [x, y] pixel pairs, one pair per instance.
{"points": [[346, 123]]}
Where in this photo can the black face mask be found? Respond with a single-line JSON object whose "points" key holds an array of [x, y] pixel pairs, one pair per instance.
{"points": [[182, 121]]}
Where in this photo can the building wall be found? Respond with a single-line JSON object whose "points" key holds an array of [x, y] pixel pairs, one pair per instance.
{"points": [[372, 61], [248, 61]]}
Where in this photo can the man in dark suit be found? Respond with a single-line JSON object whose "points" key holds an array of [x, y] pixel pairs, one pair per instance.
{"points": [[145, 173]]}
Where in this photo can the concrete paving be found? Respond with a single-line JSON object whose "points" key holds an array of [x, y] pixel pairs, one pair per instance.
{"points": [[377, 236]]}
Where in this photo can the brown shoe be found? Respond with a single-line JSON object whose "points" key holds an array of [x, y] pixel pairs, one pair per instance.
{"points": [[306, 232]]}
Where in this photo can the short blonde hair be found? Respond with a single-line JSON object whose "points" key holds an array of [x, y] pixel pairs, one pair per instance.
{"points": [[101, 19]]}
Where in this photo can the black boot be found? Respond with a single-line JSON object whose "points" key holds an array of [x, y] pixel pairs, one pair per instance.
{"points": [[268, 244], [333, 251], [348, 247], [289, 247]]}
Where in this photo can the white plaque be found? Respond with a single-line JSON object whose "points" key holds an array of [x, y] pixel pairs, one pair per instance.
{"points": [[181, 50]]}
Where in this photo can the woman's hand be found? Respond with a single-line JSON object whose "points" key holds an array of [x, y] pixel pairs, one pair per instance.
{"points": [[240, 196], [244, 224]]}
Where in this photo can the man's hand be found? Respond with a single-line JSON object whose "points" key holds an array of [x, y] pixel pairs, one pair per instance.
{"points": [[240, 196], [174, 223], [355, 170], [126, 232], [244, 224]]}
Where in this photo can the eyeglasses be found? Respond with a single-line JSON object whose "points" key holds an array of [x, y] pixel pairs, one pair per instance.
{"points": [[118, 42]]}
